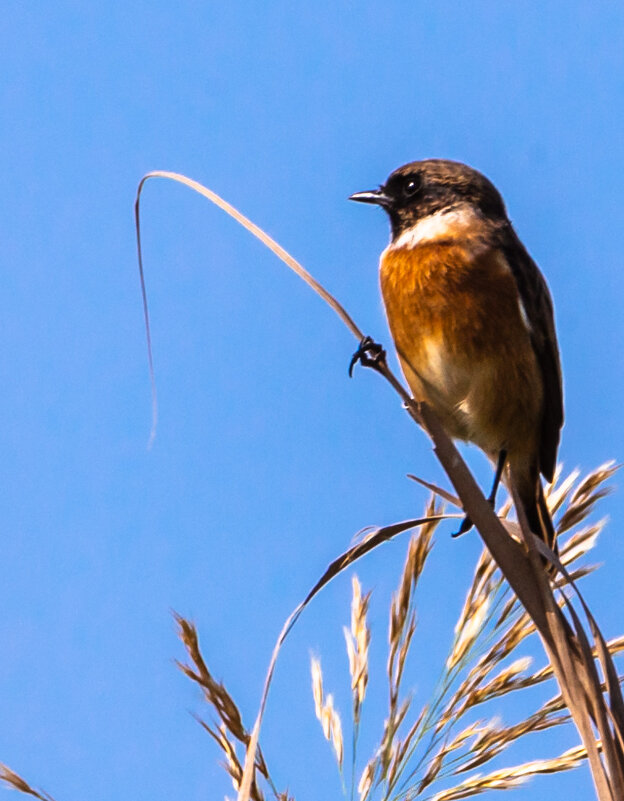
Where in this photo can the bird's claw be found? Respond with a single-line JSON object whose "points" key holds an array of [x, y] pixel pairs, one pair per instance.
{"points": [[369, 354], [467, 523], [465, 527]]}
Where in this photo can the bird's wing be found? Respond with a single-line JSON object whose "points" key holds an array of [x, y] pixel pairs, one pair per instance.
{"points": [[538, 306]]}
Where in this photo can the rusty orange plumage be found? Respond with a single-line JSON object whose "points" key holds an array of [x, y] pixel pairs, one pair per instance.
{"points": [[472, 321]]}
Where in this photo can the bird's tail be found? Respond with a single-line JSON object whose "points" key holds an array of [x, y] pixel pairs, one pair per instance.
{"points": [[540, 522]]}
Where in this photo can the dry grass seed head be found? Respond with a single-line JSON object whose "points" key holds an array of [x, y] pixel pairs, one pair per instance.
{"points": [[581, 542], [404, 744], [508, 680], [575, 547], [557, 494], [471, 627], [460, 739], [397, 665], [214, 692], [325, 712], [593, 480], [508, 778], [402, 616], [509, 640], [366, 779], [491, 739], [332, 728], [317, 686], [232, 764], [418, 551], [389, 741], [511, 605], [586, 495], [336, 738], [357, 641], [495, 738], [472, 689], [15, 782], [481, 583], [486, 582]]}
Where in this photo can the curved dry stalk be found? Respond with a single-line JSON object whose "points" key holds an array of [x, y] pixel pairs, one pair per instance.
{"points": [[266, 240]]}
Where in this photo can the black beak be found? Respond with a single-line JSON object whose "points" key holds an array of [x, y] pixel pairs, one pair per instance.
{"points": [[376, 196]]}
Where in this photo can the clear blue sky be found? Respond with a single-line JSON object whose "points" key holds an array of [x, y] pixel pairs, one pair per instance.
{"points": [[268, 459]]}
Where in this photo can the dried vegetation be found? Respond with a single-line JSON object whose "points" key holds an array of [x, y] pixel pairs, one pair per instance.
{"points": [[449, 741]]}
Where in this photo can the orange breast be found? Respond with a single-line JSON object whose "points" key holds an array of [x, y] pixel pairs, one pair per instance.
{"points": [[454, 314]]}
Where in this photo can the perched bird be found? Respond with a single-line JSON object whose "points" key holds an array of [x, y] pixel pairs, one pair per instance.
{"points": [[472, 320]]}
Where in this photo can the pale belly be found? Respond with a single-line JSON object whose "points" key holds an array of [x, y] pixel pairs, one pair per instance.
{"points": [[477, 400]]}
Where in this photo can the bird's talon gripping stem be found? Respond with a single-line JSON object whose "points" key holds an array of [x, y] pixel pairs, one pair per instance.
{"points": [[464, 528], [368, 354], [467, 523]]}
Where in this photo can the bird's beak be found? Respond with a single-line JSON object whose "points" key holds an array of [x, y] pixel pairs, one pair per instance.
{"points": [[376, 196]]}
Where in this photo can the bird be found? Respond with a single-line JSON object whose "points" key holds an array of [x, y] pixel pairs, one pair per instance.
{"points": [[473, 324]]}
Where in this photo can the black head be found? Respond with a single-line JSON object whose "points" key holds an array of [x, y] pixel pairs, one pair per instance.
{"points": [[421, 188]]}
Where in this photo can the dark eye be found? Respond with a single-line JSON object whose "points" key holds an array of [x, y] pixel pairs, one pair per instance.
{"points": [[412, 185]]}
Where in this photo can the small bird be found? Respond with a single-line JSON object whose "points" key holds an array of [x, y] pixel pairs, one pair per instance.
{"points": [[472, 321]]}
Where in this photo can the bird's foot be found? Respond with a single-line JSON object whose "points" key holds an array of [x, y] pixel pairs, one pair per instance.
{"points": [[467, 523], [464, 528], [369, 354]]}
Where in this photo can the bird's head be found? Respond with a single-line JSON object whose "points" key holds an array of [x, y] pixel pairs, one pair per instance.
{"points": [[424, 188]]}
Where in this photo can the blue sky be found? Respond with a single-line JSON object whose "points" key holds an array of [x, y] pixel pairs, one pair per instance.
{"points": [[268, 459]]}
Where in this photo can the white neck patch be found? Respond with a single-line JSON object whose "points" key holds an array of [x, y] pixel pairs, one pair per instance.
{"points": [[441, 224]]}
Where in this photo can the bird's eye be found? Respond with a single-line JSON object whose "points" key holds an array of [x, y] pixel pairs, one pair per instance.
{"points": [[412, 185]]}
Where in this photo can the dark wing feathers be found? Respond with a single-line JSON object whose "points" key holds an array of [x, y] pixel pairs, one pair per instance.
{"points": [[539, 310]]}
